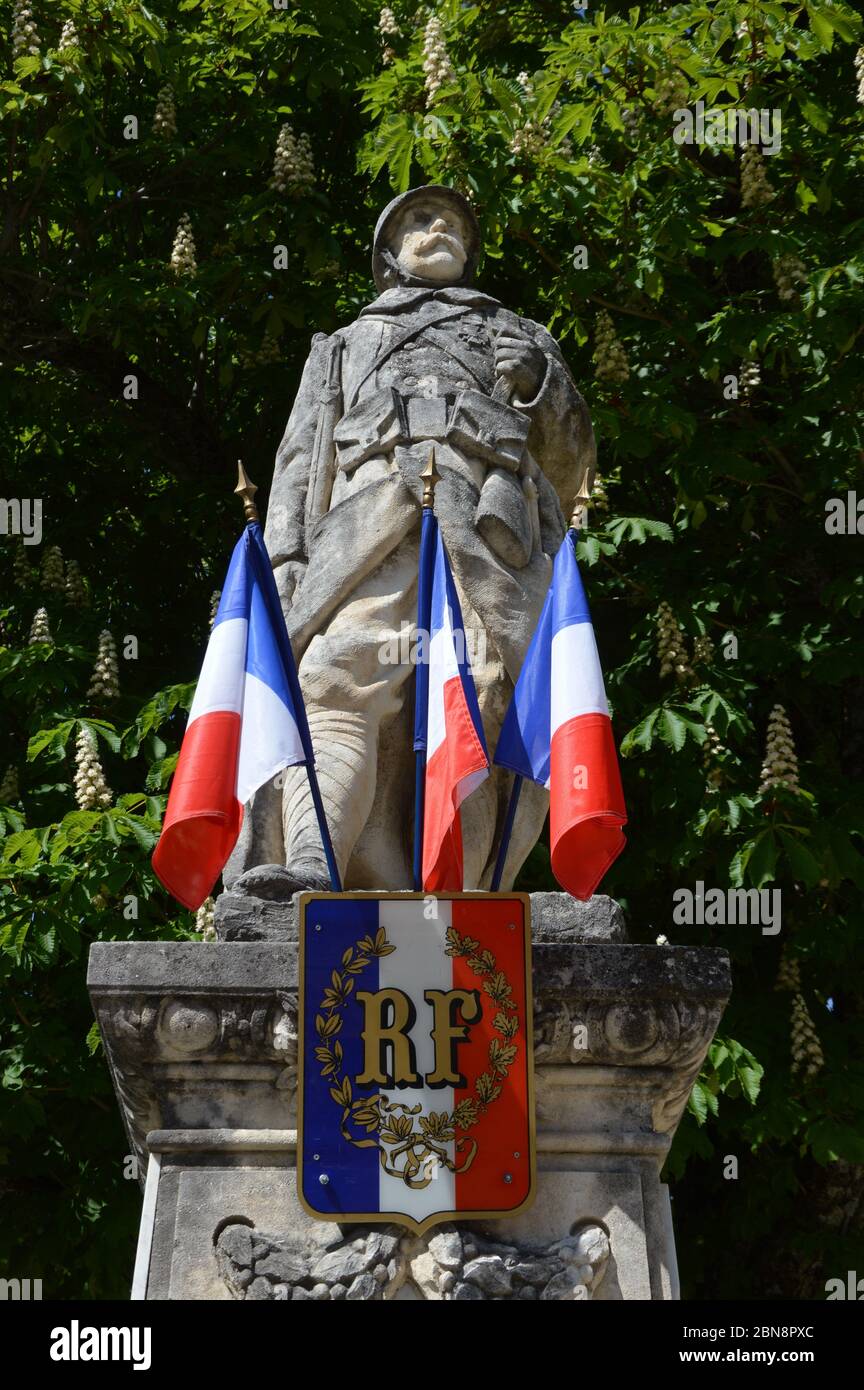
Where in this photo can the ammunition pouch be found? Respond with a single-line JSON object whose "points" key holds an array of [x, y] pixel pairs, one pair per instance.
{"points": [[373, 426], [479, 426], [489, 430]]}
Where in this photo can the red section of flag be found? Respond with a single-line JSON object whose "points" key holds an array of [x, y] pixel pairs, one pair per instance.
{"points": [[586, 803], [503, 1132], [202, 820], [457, 757]]}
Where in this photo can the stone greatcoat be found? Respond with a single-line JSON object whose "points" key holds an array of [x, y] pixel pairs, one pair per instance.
{"points": [[343, 530]]}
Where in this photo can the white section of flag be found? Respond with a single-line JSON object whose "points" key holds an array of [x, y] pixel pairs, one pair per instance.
{"points": [[470, 784], [443, 667], [419, 955], [577, 680], [269, 737], [220, 684]]}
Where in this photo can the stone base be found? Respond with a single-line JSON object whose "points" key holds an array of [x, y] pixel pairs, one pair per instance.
{"points": [[554, 917], [201, 1039]]}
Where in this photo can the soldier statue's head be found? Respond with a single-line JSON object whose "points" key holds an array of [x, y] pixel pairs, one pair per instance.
{"points": [[428, 238]]}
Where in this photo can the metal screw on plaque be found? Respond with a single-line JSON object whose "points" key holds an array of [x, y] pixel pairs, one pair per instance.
{"points": [[323, 1179], [317, 926], [317, 1158], [508, 1177], [512, 926], [517, 1155]]}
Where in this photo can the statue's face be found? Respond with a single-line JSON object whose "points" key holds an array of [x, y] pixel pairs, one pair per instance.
{"points": [[429, 240]]}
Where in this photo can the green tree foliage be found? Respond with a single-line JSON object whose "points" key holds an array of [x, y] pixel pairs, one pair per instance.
{"points": [[713, 328]]}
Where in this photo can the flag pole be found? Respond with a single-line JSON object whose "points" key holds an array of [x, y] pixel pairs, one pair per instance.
{"points": [[580, 504], [515, 791], [430, 477], [246, 490]]}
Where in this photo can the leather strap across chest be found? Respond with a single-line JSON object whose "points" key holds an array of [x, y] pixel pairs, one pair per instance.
{"points": [[452, 349], [418, 325]]}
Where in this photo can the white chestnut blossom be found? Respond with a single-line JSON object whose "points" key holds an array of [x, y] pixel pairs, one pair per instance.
{"points": [[532, 136], [756, 190], [264, 356], [388, 24], [599, 495], [21, 568], [610, 357], [39, 629], [293, 165], [670, 93], [91, 790], [789, 272], [437, 67], [25, 38], [788, 973], [204, 920], [749, 379], [183, 260], [165, 115], [52, 570], [672, 646], [68, 36], [780, 768], [104, 684], [807, 1056], [76, 593]]}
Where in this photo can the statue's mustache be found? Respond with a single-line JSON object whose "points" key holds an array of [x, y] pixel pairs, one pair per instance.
{"points": [[434, 238]]}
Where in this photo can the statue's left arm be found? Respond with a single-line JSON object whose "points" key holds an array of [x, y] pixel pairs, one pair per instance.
{"points": [[303, 456], [561, 437]]}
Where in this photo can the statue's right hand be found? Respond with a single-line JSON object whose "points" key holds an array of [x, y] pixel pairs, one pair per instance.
{"points": [[288, 577]]}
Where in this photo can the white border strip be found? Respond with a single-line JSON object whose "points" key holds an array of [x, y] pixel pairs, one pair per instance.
{"points": [[145, 1231]]}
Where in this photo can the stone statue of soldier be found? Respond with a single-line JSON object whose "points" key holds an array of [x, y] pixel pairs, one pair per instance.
{"points": [[431, 360]]}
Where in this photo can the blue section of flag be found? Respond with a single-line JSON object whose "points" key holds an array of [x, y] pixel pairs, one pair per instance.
{"points": [[246, 594], [428, 538], [569, 604], [263, 657], [444, 596], [524, 744], [234, 602], [352, 1173], [267, 586], [243, 597]]}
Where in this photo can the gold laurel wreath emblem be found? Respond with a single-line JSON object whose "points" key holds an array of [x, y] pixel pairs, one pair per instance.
{"points": [[408, 1152]]}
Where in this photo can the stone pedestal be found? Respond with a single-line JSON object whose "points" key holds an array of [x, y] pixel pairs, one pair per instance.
{"points": [[201, 1039]]}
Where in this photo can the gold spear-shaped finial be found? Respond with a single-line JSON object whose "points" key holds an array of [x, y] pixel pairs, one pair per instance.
{"points": [[582, 500], [580, 504], [431, 477], [246, 489]]}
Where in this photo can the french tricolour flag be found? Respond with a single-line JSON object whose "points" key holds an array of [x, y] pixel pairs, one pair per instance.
{"points": [[557, 732], [242, 730], [456, 757]]}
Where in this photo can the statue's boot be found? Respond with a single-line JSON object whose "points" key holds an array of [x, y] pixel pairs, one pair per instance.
{"points": [[278, 882], [346, 777]]}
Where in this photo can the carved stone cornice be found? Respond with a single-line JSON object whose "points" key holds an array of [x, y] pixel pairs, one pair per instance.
{"points": [[183, 1019], [175, 1016]]}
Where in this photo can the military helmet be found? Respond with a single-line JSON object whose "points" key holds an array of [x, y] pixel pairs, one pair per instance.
{"points": [[385, 269]]}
